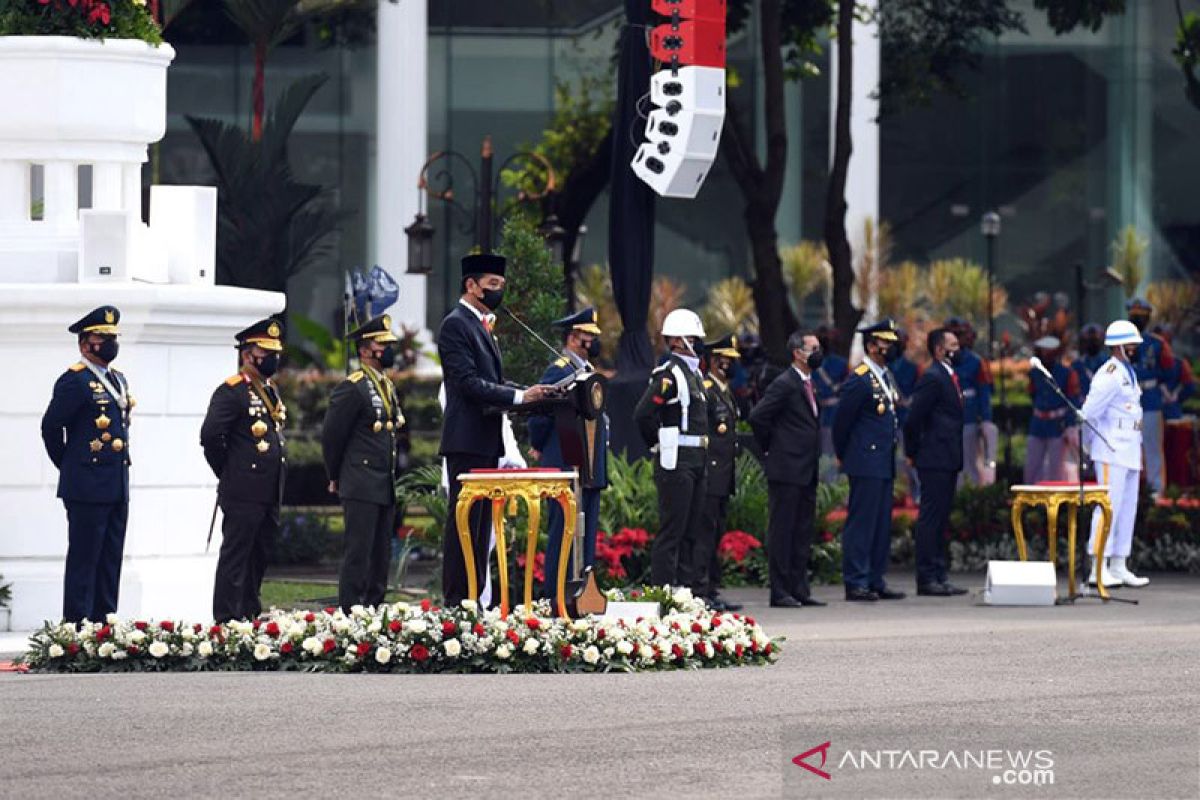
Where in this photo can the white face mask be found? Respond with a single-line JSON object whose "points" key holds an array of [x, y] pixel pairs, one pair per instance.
{"points": [[693, 362]]}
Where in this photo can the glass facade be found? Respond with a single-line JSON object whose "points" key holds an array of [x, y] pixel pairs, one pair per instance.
{"points": [[1071, 138]]}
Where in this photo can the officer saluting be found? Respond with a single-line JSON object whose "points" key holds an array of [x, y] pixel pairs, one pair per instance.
{"points": [[242, 437], [581, 343], [672, 416], [359, 442], [720, 480], [86, 433], [1114, 408], [864, 436]]}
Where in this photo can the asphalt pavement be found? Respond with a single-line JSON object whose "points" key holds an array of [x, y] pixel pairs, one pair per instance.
{"points": [[1108, 693]]}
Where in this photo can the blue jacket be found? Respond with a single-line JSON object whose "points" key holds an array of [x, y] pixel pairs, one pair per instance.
{"points": [[1086, 367], [543, 435], [906, 374], [827, 379], [864, 430], [1153, 363], [87, 437], [1050, 415], [1177, 387], [975, 378]]}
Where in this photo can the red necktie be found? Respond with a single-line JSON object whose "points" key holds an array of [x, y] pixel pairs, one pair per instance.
{"points": [[957, 388], [808, 391], [489, 322]]}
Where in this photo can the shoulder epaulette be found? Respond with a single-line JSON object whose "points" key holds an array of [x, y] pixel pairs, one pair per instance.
{"points": [[1111, 368], [76, 367], [708, 384], [355, 377], [234, 380], [861, 369], [661, 368], [562, 362]]}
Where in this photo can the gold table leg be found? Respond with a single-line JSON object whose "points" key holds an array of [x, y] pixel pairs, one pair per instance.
{"points": [[1052, 507], [531, 542], [462, 518], [1101, 541], [1072, 525], [1018, 527], [566, 501], [501, 552]]}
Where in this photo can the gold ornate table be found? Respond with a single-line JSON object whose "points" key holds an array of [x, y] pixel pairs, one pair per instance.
{"points": [[1053, 497], [503, 487]]}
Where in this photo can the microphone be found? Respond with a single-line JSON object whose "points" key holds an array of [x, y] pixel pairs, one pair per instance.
{"points": [[1037, 364]]}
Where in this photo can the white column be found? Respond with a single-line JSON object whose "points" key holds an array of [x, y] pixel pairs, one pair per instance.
{"points": [[131, 188], [14, 191], [61, 193], [400, 142], [106, 186], [862, 181]]}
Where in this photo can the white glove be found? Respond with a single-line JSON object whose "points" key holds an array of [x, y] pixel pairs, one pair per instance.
{"points": [[512, 458]]}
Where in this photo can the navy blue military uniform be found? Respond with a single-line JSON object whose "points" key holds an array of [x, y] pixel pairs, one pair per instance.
{"points": [[86, 433], [242, 438], [721, 478], [864, 438], [543, 437]]}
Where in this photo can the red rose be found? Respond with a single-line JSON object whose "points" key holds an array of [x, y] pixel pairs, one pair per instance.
{"points": [[478, 630], [449, 628], [565, 651], [310, 617], [738, 651], [257, 624], [133, 650], [330, 609], [512, 636], [419, 653], [272, 629], [697, 627], [285, 648], [426, 604], [600, 634], [141, 626], [363, 648], [197, 628], [753, 646], [215, 630], [533, 623], [677, 651], [329, 645], [167, 626], [767, 649], [749, 620], [103, 633], [72, 649], [716, 620], [395, 625]]}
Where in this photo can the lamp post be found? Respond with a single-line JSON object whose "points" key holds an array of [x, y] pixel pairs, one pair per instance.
{"points": [[989, 226], [437, 180]]}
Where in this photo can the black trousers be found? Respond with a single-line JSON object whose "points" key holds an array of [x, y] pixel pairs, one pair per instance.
{"points": [[95, 546], [792, 510], [705, 567], [681, 493], [367, 553], [454, 570], [248, 531], [937, 498]]}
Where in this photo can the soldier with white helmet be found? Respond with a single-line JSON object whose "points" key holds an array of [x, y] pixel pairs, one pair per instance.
{"points": [[672, 417], [1114, 438]]}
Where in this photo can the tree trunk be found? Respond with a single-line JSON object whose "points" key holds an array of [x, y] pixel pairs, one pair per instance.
{"points": [[583, 186], [775, 318], [845, 315]]}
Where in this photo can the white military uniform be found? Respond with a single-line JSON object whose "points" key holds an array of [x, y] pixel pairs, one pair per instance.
{"points": [[1114, 407]]}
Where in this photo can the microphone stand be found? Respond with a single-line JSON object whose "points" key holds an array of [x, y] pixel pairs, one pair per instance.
{"points": [[1084, 592]]}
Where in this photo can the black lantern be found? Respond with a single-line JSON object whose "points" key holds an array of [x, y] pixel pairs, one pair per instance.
{"points": [[420, 246]]}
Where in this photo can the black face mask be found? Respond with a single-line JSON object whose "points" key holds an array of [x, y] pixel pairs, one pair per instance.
{"points": [[492, 298], [388, 357], [1139, 321], [268, 365], [107, 350], [1091, 347], [955, 357], [593, 348], [815, 359], [1131, 354]]}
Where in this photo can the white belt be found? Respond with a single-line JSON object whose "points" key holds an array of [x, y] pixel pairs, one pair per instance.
{"points": [[968, 393], [1149, 383], [693, 441], [1129, 424]]}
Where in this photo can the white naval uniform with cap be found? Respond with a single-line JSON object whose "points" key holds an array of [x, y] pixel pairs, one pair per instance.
{"points": [[1114, 407]]}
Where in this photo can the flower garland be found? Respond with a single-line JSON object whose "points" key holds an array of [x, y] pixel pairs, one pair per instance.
{"points": [[421, 638]]}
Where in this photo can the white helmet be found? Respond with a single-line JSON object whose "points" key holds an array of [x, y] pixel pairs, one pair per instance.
{"points": [[1122, 332], [682, 322]]}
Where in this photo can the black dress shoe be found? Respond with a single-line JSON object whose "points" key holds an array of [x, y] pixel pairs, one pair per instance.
{"points": [[861, 596], [890, 594], [954, 590], [716, 604], [934, 590], [729, 605], [810, 601], [786, 601]]}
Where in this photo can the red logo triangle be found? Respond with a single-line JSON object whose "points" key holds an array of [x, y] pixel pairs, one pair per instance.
{"points": [[823, 749]]}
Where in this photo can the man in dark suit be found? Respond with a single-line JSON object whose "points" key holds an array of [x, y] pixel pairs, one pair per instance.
{"points": [[475, 395], [787, 427], [242, 438], [359, 442], [86, 433], [933, 444], [864, 438]]}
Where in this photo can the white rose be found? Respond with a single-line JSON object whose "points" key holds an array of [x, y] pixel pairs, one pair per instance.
{"points": [[106, 650], [186, 650], [205, 649], [416, 626], [608, 652], [118, 655], [262, 652], [56, 651], [452, 648], [383, 655], [503, 652], [469, 605], [580, 625], [375, 627], [531, 646], [591, 655], [188, 634], [730, 646], [646, 652], [313, 645], [137, 637], [682, 596], [112, 619], [159, 649], [296, 630], [340, 625], [624, 647]]}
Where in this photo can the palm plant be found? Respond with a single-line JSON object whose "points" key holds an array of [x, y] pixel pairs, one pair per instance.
{"points": [[269, 225], [593, 287], [899, 289], [730, 308], [806, 271], [1176, 303], [666, 295], [874, 257], [1129, 252]]}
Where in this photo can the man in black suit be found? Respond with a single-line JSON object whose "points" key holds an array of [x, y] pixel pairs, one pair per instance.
{"points": [[475, 395], [787, 427], [933, 444]]}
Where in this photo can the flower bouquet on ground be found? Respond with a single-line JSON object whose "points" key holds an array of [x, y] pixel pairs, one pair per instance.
{"points": [[421, 638]]}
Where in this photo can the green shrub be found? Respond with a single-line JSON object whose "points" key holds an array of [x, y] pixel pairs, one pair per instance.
{"points": [[114, 19], [631, 499], [307, 537]]}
